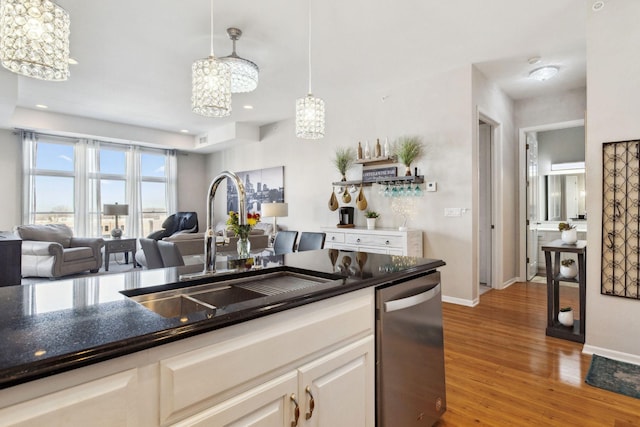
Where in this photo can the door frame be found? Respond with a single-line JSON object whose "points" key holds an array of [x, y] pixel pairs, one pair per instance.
{"points": [[522, 161], [496, 204]]}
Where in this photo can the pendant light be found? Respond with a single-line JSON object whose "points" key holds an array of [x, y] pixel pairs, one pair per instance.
{"points": [[34, 39], [244, 73], [211, 85], [309, 110]]}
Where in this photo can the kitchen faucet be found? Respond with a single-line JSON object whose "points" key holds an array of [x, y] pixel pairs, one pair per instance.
{"points": [[209, 235]]}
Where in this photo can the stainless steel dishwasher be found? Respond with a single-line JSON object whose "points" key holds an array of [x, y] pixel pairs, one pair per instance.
{"points": [[410, 382]]}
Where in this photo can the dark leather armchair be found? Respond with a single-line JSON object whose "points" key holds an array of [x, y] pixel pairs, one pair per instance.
{"points": [[180, 222]]}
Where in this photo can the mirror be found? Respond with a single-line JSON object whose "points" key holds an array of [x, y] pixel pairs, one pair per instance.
{"points": [[565, 197]]}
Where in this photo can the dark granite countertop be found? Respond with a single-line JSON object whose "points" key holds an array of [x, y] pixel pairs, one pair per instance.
{"points": [[55, 326]]}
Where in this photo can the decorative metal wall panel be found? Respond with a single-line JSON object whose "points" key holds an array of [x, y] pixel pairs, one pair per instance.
{"points": [[621, 219]]}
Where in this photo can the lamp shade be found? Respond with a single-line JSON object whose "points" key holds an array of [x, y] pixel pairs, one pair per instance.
{"points": [[115, 209], [275, 209]]}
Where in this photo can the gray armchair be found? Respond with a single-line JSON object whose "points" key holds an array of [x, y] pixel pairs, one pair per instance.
{"points": [[50, 250]]}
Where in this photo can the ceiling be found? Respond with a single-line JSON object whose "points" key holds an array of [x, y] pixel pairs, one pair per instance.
{"points": [[135, 56]]}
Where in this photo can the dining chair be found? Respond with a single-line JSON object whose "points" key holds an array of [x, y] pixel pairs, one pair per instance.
{"points": [[151, 253], [284, 242], [170, 254], [311, 241]]}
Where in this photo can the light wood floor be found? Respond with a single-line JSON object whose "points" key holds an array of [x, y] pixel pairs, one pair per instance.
{"points": [[501, 369]]}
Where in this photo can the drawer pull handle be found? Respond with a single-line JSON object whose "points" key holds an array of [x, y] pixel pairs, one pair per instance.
{"points": [[312, 403], [333, 237], [294, 423], [358, 240], [387, 242]]}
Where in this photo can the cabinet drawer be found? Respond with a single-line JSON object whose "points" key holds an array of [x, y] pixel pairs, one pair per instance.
{"points": [[374, 240], [121, 246], [335, 238]]}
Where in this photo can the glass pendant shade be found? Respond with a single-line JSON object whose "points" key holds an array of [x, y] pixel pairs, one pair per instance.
{"points": [[211, 88], [309, 117], [244, 74], [34, 39]]}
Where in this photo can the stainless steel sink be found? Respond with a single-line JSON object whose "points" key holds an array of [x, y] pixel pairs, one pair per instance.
{"points": [[209, 297]]}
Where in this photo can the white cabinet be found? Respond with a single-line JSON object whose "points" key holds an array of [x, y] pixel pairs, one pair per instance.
{"points": [[241, 375], [335, 390], [382, 240]]}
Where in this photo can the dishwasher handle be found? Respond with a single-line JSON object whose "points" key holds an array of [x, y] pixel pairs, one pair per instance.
{"points": [[411, 301]]}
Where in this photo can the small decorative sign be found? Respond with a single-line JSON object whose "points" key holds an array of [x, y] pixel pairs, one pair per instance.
{"points": [[373, 175]]}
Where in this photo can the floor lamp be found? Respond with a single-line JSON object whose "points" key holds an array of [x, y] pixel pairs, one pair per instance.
{"points": [[275, 210], [115, 210]]}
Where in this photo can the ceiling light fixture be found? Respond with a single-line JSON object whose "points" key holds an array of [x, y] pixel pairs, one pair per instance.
{"points": [[544, 73], [597, 6], [309, 110], [34, 39], [244, 73], [211, 85]]}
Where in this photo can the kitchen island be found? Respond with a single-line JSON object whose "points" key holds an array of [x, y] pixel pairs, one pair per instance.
{"points": [[85, 351]]}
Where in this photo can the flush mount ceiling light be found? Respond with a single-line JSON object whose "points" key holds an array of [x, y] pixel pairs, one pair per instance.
{"points": [[597, 6], [211, 85], [309, 110], [34, 39], [244, 73], [543, 73]]}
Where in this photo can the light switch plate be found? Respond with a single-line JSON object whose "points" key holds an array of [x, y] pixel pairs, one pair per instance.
{"points": [[432, 186], [452, 211]]}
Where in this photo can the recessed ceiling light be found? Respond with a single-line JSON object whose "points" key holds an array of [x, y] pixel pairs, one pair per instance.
{"points": [[44, 107], [73, 61], [248, 107], [534, 60], [543, 73], [597, 6], [184, 130]]}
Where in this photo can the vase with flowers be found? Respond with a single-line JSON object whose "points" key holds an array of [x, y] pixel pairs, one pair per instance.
{"points": [[242, 231]]}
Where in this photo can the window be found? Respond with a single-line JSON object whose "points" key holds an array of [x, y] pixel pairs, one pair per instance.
{"points": [[69, 180]]}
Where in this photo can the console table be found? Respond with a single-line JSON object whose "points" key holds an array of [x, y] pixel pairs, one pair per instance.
{"points": [[112, 246], [554, 328], [379, 240]]}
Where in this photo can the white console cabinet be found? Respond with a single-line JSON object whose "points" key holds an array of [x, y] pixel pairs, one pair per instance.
{"points": [[380, 240]]}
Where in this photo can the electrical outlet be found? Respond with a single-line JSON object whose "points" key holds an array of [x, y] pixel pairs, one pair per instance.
{"points": [[432, 186], [452, 211]]}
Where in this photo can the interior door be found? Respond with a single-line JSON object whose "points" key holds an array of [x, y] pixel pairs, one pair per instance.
{"points": [[533, 205], [485, 213]]}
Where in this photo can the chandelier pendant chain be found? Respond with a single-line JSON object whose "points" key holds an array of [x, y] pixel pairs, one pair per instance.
{"points": [[309, 46]]}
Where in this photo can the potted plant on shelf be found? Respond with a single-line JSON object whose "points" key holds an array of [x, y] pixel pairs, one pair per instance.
{"points": [[569, 233], [407, 150], [565, 316], [343, 161], [371, 219], [568, 268]]}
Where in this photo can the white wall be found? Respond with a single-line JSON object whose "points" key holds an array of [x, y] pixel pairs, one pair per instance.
{"points": [[437, 108], [561, 107], [193, 185], [492, 103], [613, 67], [560, 146]]}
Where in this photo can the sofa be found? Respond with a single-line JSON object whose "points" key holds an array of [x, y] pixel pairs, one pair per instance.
{"points": [[50, 250]]}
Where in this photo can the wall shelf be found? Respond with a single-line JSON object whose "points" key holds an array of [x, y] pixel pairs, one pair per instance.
{"points": [[394, 179], [375, 160]]}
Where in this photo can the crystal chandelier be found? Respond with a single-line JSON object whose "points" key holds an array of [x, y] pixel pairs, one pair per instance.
{"points": [[244, 73], [211, 85], [310, 110], [34, 39]]}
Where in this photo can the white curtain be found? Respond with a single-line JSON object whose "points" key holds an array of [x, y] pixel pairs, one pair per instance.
{"points": [[171, 172], [133, 193], [29, 140], [87, 188]]}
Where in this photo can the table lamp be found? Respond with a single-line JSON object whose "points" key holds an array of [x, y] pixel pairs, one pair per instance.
{"points": [[115, 210], [275, 210]]}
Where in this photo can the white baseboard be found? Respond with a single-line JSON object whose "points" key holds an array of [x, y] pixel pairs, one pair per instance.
{"points": [[460, 301], [510, 282], [612, 354]]}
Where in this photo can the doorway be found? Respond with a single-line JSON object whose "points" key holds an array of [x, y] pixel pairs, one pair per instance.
{"points": [[485, 212]]}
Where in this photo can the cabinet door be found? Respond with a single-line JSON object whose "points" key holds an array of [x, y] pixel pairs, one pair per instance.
{"points": [[267, 405], [341, 385]]}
